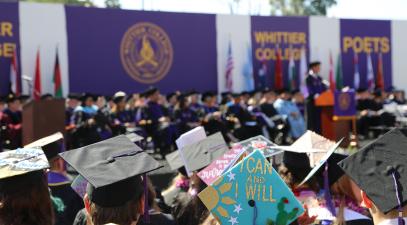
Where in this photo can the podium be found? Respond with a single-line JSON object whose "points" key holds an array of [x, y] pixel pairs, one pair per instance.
{"points": [[42, 118], [338, 116]]}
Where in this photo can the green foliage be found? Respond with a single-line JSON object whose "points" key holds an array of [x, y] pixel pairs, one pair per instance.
{"points": [[300, 7], [87, 3], [112, 4]]}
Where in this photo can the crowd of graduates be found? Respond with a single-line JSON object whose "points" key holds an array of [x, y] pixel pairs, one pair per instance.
{"points": [[99, 147]]}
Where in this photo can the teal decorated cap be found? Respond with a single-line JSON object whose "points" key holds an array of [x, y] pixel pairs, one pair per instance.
{"points": [[251, 192]]}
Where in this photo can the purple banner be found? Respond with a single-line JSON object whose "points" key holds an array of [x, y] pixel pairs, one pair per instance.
{"points": [[287, 34], [363, 37], [112, 50], [345, 103], [9, 40]]}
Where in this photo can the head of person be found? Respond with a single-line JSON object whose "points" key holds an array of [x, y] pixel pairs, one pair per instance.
{"points": [[379, 169], [119, 99], [101, 209], [87, 100], [13, 103], [297, 96], [193, 97], [2, 103], [188, 209], [245, 96], [152, 94], [315, 67], [172, 98], [284, 94], [209, 98], [73, 100], [25, 199], [237, 98], [295, 168], [183, 102], [362, 93], [116, 195], [47, 97]]}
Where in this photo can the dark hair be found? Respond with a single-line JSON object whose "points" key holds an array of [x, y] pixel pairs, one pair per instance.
{"points": [[293, 176], [123, 215], [189, 209], [25, 199]]}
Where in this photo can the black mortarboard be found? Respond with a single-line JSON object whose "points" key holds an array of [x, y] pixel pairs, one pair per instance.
{"points": [[296, 160], [174, 160], [113, 169], [295, 91], [245, 93], [86, 96], [225, 94], [76, 96], [11, 98], [170, 95], [206, 95], [361, 90], [24, 97], [380, 169], [2, 99], [200, 154], [46, 96], [51, 145], [192, 92], [334, 171], [236, 95], [150, 91], [282, 90], [313, 64], [119, 96]]}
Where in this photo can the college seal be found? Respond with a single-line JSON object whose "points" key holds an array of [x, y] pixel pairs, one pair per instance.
{"points": [[146, 52]]}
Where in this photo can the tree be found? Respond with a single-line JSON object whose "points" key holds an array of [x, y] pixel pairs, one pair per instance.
{"points": [[112, 4], [87, 3], [300, 7]]}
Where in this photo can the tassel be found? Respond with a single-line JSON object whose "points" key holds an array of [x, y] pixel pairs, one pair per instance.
{"points": [[400, 208], [330, 205]]}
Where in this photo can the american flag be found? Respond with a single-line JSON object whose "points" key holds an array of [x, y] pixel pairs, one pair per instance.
{"points": [[229, 69]]}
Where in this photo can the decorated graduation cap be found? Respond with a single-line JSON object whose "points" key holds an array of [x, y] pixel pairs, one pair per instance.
{"points": [[380, 170], [261, 143], [150, 91], [113, 169], [251, 192], [200, 154], [52, 145], [174, 160], [22, 161], [119, 96], [133, 137]]}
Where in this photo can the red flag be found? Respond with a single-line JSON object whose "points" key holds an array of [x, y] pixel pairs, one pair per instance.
{"points": [[57, 78], [332, 85], [37, 78], [379, 77], [14, 75], [278, 72]]}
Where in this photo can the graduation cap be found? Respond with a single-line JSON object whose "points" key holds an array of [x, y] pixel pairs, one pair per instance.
{"points": [[11, 98], [380, 170], [3, 99], [22, 161], [75, 96], [335, 172], [261, 143], [52, 145], [174, 160], [192, 92], [46, 96], [313, 64], [150, 91], [119, 96], [200, 154], [170, 95], [207, 95], [133, 137], [251, 192], [86, 96], [113, 168]]}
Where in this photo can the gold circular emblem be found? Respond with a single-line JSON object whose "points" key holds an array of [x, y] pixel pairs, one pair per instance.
{"points": [[146, 52], [344, 101]]}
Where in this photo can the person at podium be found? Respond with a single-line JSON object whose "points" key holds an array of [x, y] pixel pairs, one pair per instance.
{"points": [[315, 85]]}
